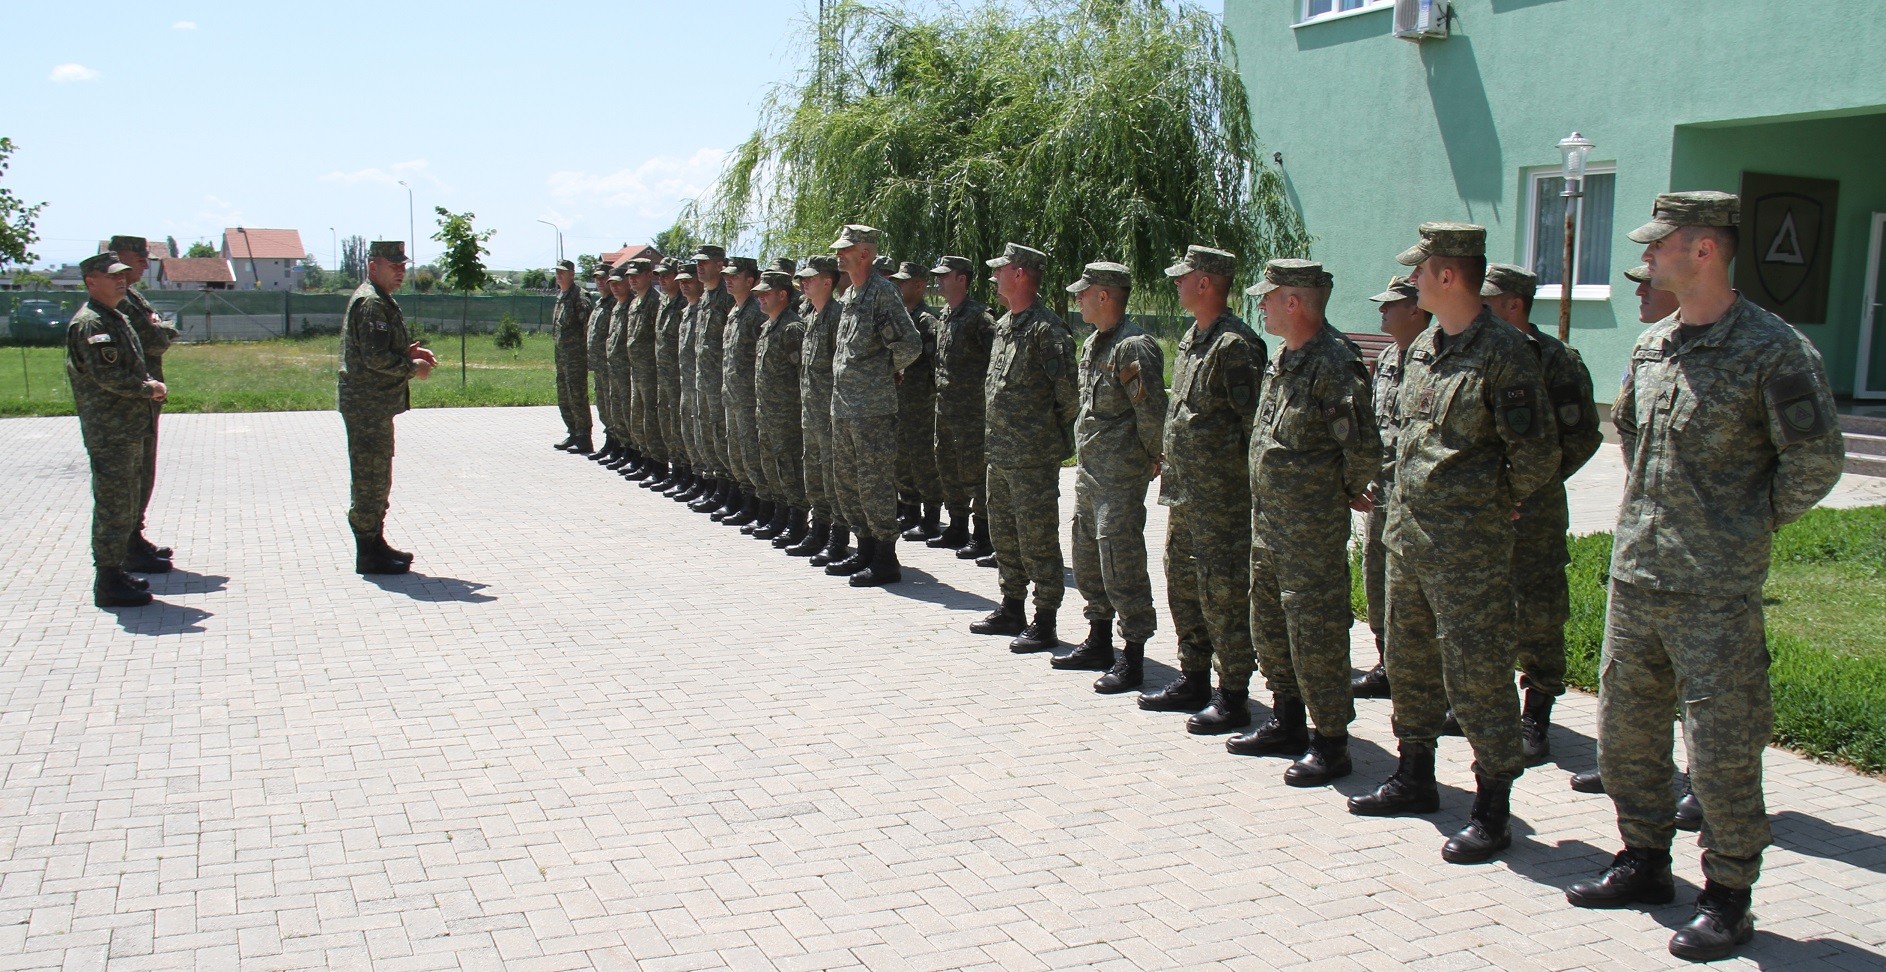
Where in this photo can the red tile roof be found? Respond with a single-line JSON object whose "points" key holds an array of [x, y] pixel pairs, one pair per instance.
{"points": [[243, 243], [628, 253], [198, 270]]}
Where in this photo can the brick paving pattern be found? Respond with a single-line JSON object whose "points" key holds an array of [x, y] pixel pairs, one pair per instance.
{"points": [[593, 730]]}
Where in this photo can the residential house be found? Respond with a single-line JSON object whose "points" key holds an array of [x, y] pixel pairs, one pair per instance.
{"points": [[264, 259], [196, 273]]}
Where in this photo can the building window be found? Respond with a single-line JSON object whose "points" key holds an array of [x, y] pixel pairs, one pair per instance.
{"points": [[1324, 9], [1545, 236]]}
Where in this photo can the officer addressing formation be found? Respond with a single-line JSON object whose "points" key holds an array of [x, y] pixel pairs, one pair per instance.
{"points": [[808, 403]]}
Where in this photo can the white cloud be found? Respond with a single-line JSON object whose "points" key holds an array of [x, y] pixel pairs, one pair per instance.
{"points": [[66, 73], [411, 171], [652, 190], [184, 25]]}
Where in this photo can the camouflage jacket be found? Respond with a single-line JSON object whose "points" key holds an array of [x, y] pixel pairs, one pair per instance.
{"points": [[1568, 386], [875, 340], [1031, 396], [710, 319], [641, 334], [740, 353], [376, 366], [569, 319], [1122, 423], [916, 386], [104, 360], [1726, 438], [668, 336], [597, 331], [1216, 376], [1387, 422], [1476, 439], [155, 333], [1314, 444], [815, 371], [964, 337], [685, 346], [776, 373], [616, 344]]}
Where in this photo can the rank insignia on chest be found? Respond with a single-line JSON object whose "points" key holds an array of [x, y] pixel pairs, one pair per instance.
{"points": [[98, 339], [1421, 354], [1424, 406]]}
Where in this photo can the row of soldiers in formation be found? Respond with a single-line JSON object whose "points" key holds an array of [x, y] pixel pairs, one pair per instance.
{"points": [[801, 415]]}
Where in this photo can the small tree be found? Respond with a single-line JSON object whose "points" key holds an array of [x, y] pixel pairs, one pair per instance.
{"points": [[353, 260], [509, 337], [678, 241], [586, 266], [464, 266], [200, 250], [534, 279], [313, 275], [18, 221]]}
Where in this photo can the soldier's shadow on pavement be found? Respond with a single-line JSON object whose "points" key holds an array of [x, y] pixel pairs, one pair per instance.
{"points": [[187, 582], [1815, 837], [921, 585], [160, 618], [426, 587], [1772, 951]]}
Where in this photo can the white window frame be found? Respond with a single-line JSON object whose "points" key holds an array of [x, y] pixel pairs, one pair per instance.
{"points": [[1368, 6], [1550, 292]]}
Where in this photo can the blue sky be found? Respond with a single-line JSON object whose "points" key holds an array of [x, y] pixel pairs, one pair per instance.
{"points": [[182, 119]]}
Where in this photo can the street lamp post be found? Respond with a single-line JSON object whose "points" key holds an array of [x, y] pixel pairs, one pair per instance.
{"points": [[559, 232], [412, 235], [336, 255], [1574, 149]]}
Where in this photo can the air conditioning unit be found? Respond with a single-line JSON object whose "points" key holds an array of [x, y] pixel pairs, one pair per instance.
{"points": [[1419, 20]]}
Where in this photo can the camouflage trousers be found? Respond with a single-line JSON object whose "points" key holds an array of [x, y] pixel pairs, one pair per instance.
{"points": [[864, 452], [370, 459], [961, 472], [644, 416], [118, 465], [1025, 528], [573, 391], [1208, 589], [149, 482], [917, 478], [743, 446], [621, 390], [1110, 555], [1300, 619], [816, 445], [1375, 571], [1450, 641], [668, 416], [711, 422], [782, 457], [1710, 654], [601, 377], [1542, 603]]}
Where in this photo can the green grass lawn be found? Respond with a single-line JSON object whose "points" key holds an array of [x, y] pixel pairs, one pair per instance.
{"points": [[292, 374]]}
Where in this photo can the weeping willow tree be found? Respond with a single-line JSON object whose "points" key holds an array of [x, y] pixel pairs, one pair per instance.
{"points": [[1090, 129]]}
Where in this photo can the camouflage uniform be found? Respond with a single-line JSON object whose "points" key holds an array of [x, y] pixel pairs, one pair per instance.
{"points": [[375, 372], [598, 334], [1207, 484], [1387, 393], [1314, 450], [1030, 402], [112, 391], [668, 376], [815, 411], [917, 479], [1728, 433], [964, 338], [776, 395], [710, 321], [689, 417], [738, 340], [644, 408], [875, 340], [567, 319], [615, 406], [1119, 433], [155, 335]]}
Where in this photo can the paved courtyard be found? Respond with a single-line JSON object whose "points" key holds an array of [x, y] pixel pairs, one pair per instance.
{"points": [[593, 730]]}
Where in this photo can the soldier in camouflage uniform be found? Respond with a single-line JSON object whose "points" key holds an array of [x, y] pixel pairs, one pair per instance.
{"points": [[668, 380], [1031, 399], [1119, 432], [710, 324], [377, 364], [964, 337], [1729, 432], [567, 320], [115, 396], [687, 343], [1542, 595], [919, 488], [1206, 484], [738, 338], [1403, 320], [615, 406], [776, 397], [875, 340], [827, 539], [597, 332], [156, 335], [642, 406], [1314, 450], [1476, 440]]}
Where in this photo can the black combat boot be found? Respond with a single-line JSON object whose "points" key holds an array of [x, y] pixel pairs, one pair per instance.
{"points": [[1636, 876], [1489, 827], [979, 545], [1038, 636], [706, 495], [1128, 673], [884, 568], [774, 525], [1410, 789], [1327, 759], [815, 539], [837, 546], [731, 501], [608, 450], [640, 469], [794, 530], [379, 538], [1590, 781], [1722, 924], [1093, 655], [1190, 692], [953, 536], [139, 544], [927, 526], [138, 583], [1450, 726], [679, 479], [373, 556], [1285, 733], [145, 563], [989, 561], [582, 446], [1372, 684], [658, 476], [763, 513], [1535, 720], [1689, 812], [623, 456], [1006, 619], [565, 445], [1229, 709], [112, 587], [867, 549]]}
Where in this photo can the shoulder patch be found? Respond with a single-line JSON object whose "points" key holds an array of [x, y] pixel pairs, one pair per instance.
{"points": [[1516, 410], [1241, 386], [1796, 406]]}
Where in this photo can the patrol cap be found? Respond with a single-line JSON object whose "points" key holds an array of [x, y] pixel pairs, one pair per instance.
{"points": [[602, 268], [1639, 273], [135, 244], [1445, 239], [1505, 278], [637, 267], [772, 280], [102, 263], [1022, 256], [709, 251], [819, 263], [1398, 289], [684, 272], [1221, 263], [619, 272], [855, 234], [668, 265], [1292, 273], [884, 265], [953, 264], [565, 265], [783, 265], [390, 250], [908, 270], [1102, 274], [747, 264], [1674, 210]]}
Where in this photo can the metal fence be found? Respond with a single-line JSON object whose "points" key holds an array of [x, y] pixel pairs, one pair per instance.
{"points": [[237, 315]]}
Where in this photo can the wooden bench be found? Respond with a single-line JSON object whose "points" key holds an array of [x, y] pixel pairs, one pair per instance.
{"points": [[1372, 344]]}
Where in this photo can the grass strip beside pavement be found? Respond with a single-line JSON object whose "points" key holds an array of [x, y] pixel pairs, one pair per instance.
{"points": [[292, 374]]}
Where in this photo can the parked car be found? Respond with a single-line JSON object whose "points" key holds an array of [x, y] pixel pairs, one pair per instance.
{"points": [[37, 322]]}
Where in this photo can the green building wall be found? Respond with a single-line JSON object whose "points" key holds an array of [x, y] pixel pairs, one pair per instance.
{"points": [[1378, 134]]}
